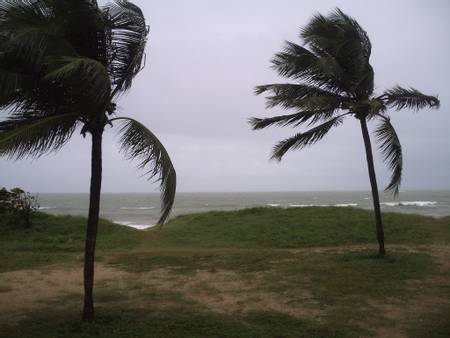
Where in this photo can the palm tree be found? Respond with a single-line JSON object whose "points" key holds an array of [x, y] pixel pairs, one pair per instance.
{"points": [[63, 65], [333, 80]]}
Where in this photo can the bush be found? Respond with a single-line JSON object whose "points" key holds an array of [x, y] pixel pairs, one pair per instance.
{"points": [[18, 206], [4, 201]]}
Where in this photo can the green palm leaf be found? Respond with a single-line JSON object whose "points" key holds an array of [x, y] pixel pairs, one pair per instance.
{"points": [[305, 139], [140, 143], [391, 149], [295, 120], [10, 82], [128, 39], [16, 15], [289, 95], [32, 32], [86, 76], [299, 63], [400, 98], [21, 135], [340, 37]]}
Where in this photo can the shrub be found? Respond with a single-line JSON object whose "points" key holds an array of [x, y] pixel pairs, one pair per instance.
{"points": [[18, 206]]}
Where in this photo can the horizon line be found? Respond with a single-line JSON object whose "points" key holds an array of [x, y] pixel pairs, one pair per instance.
{"points": [[242, 191]]}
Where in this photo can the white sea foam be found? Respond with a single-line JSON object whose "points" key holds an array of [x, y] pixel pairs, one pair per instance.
{"points": [[410, 204], [137, 208], [123, 222], [134, 225], [342, 205], [273, 205], [46, 208], [141, 226], [308, 205]]}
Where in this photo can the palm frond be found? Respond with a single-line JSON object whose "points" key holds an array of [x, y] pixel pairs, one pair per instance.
{"points": [[391, 149], [22, 135], [14, 13], [32, 31], [400, 98], [300, 96], [89, 76], [341, 38], [337, 35], [353, 32], [140, 143], [298, 63], [364, 85], [297, 119], [128, 39], [305, 139], [10, 82], [39, 57]]}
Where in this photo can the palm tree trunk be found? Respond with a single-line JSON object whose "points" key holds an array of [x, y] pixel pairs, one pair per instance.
{"points": [[92, 224], [373, 183]]}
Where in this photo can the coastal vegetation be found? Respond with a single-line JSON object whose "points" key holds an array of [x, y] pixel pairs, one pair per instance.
{"points": [[333, 79], [264, 272], [17, 206], [63, 66]]}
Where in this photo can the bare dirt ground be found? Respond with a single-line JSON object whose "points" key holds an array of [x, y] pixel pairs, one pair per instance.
{"points": [[29, 290]]}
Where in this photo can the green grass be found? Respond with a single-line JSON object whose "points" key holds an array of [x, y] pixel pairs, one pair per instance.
{"points": [[115, 323], [357, 274], [310, 259], [295, 227], [185, 261], [363, 267], [56, 239]]}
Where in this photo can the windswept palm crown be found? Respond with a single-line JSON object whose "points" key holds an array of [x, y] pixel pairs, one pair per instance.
{"points": [[333, 79], [63, 64]]}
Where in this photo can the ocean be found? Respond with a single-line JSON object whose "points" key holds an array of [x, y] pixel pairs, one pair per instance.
{"points": [[141, 210]]}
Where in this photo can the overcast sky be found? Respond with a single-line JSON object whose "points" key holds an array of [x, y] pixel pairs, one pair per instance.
{"points": [[203, 60]]}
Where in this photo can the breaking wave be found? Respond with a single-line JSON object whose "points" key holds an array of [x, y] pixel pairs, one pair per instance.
{"points": [[410, 204], [137, 208], [134, 225], [342, 205]]}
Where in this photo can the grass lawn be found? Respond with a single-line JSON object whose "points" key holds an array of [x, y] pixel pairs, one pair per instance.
{"points": [[264, 272]]}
